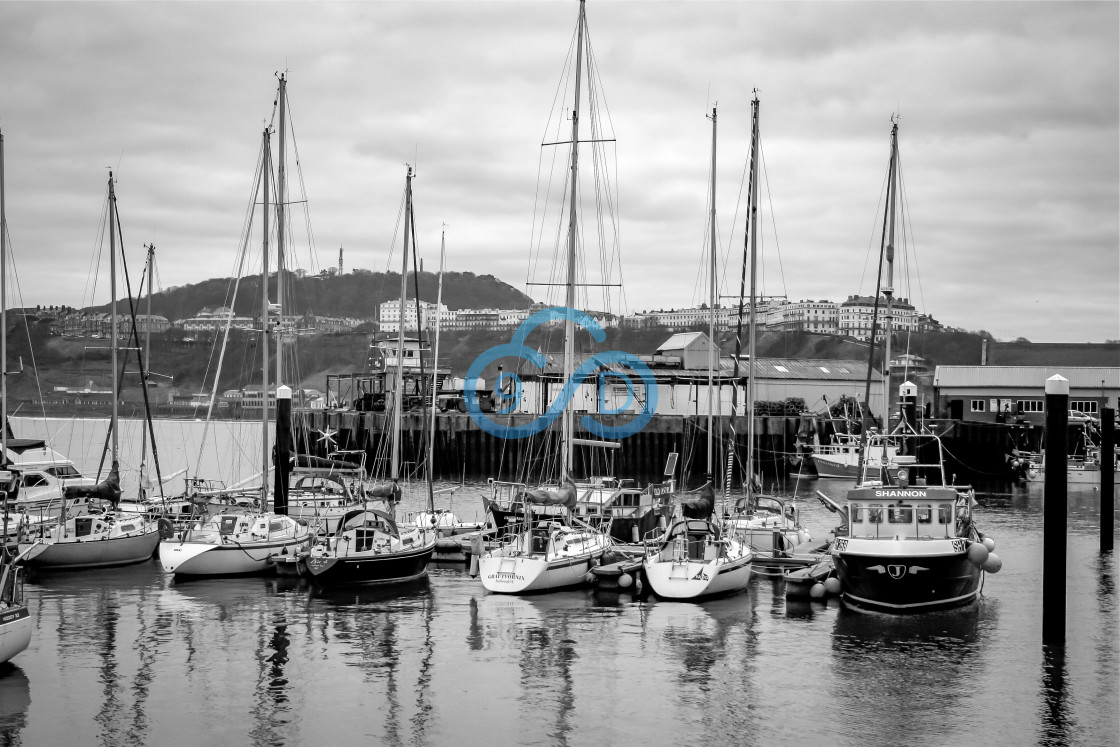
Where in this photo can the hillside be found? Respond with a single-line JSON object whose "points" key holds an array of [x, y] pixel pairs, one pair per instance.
{"points": [[355, 295], [188, 365]]}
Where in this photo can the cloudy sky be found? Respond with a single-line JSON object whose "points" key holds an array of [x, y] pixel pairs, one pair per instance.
{"points": [[1008, 116]]}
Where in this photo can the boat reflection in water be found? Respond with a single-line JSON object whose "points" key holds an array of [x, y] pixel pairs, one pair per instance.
{"points": [[15, 698], [908, 675]]}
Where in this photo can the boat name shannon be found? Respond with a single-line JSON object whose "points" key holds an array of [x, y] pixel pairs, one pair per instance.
{"points": [[900, 493]]}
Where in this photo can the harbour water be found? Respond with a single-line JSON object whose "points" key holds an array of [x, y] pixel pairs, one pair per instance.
{"points": [[132, 657]]}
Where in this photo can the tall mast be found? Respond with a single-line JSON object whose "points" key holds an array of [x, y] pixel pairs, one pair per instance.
{"points": [[144, 374], [398, 398], [570, 296], [3, 320], [113, 309], [888, 291], [886, 252], [713, 294], [751, 330], [266, 159], [435, 374], [281, 197]]}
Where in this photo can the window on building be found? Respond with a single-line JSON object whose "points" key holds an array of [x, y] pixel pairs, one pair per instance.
{"points": [[1087, 406], [978, 405], [1030, 405]]}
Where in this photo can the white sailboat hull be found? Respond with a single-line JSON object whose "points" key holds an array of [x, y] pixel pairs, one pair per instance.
{"points": [[94, 552], [694, 579], [15, 631], [518, 574], [185, 558]]}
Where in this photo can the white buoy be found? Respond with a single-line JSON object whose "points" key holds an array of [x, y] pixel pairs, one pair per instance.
{"points": [[992, 564], [625, 580], [832, 585], [989, 543], [817, 590], [977, 553], [589, 577]]}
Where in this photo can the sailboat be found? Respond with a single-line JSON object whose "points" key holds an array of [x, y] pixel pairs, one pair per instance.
{"points": [[910, 543], [545, 545], [246, 540], [769, 524], [15, 619], [699, 558], [97, 540], [369, 546]]}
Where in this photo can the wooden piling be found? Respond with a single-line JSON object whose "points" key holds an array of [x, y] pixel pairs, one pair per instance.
{"points": [[1108, 477], [1054, 512]]}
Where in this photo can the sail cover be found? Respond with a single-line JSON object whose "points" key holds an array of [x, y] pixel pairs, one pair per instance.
{"points": [[108, 489], [564, 496], [698, 504]]}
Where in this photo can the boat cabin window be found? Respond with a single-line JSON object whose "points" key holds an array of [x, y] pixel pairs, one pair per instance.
{"points": [[276, 526], [900, 515], [33, 480], [944, 514], [363, 539], [83, 526], [63, 471], [875, 513], [127, 527], [540, 540], [228, 525], [925, 514]]}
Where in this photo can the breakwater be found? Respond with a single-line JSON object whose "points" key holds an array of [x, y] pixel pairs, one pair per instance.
{"points": [[463, 451]]}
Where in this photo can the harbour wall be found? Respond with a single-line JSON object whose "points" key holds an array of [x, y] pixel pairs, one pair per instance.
{"points": [[463, 451]]}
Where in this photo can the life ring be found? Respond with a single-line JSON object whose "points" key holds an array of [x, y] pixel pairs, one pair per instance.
{"points": [[166, 528]]}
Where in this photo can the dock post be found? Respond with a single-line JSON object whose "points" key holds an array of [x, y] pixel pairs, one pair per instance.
{"points": [[1108, 477], [283, 451], [1054, 511]]}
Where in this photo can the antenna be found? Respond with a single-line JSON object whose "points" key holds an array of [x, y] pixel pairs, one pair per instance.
{"points": [[340, 261]]}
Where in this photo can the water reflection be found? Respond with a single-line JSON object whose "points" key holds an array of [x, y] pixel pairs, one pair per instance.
{"points": [[884, 661], [15, 700], [1056, 722], [708, 651]]}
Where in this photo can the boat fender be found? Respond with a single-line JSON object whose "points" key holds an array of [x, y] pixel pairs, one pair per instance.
{"points": [[817, 590], [474, 564], [832, 585], [625, 580], [977, 553], [992, 564], [166, 528], [989, 543], [589, 577]]}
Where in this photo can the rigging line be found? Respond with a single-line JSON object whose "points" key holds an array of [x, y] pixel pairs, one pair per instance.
{"points": [[773, 217], [231, 296], [90, 290], [312, 248], [392, 248], [874, 226], [908, 229], [141, 363], [27, 331]]}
